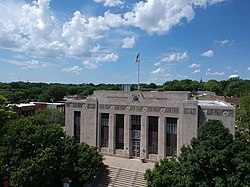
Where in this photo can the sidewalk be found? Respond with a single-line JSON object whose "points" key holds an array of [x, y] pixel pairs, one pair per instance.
{"points": [[125, 163]]}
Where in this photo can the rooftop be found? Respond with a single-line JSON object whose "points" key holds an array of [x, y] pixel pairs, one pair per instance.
{"points": [[214, 103]]}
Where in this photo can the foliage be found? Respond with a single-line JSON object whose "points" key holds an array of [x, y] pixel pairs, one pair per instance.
{"points": [[88, 163], [214, 158], [6, 112], [33, 153], [17, 92], [243, 117], [207, 161], [162, 174], [52, 116]]}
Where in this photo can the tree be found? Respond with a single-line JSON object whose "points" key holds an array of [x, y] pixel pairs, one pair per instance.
{"points": [[243, 117], [87, 164], [6, 113], [52, 116], [214, 158], [33, 153], [207, 161], [162, 174]]}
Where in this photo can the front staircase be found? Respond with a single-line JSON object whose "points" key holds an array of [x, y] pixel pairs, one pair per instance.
{"points": [[118, 177]]}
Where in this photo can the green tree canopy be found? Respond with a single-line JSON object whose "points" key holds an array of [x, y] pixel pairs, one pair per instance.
{"points": [[214, 158], [52, 116], [6, 113], [33, 153], [243, 117]]}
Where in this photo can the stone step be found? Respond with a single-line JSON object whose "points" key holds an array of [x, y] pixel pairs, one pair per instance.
{"points": [[118, 177]]}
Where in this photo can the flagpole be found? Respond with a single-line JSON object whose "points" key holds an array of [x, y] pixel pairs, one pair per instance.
{"points": [[138, 75]]}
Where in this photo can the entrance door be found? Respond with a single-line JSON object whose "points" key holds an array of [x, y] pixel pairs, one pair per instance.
{"points": [[136, 148]]}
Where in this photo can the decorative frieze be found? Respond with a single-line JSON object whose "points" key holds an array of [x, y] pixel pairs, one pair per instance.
{"points": [[76, 105], [90, 106], [218, 112], [191, 111], [172, 110]]}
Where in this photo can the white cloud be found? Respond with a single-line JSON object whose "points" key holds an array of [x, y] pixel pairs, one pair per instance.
{"points": [[248, 69], [158, 16], [74, 69], [224, 42], [214, 73], [95, 49], [97, 61], [196, 71], [113, 20], [158, 71], [175, 57], [33, 64], [107, 58], [194, 65], [90, 65], [35, 30], [128, 42], [208, 53], [110, 2]]}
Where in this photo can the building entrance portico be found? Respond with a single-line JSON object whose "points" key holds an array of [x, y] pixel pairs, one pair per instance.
{"points": [[136, 148]]}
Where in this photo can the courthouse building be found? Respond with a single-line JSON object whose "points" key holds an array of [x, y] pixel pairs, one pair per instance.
{"points": [[142, 124]]}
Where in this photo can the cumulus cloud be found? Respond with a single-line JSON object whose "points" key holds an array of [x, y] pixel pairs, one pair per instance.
{"points": [[32, 64], [175, 57], [34, 29], [95, 62], [158, 71], [248, 69], [128, 42], [157, 16], [74, 69], [110, 2], [107, 58], [90, 65], [194, 65], [224, 42], [208, 53], [196, 71]]}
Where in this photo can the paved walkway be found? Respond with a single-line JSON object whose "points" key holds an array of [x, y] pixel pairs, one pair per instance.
{"points": [[125, 163]]}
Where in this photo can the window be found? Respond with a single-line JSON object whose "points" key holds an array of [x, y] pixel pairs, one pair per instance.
{"points": [[119, 121], [104, 129], [77, 125], [171, 127], [136, 122], [152, 135], [136, 127]]}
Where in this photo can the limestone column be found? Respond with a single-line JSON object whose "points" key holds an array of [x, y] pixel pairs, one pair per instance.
{"points": [[144, 135], [161, 137], [111, 133], [127, 136]]}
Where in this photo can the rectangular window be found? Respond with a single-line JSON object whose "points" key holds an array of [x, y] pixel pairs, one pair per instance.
{"points": [[119, 122], [152, 135], [171, 127], [77, 124], [136, 127], [104, 129], [136, 122]]}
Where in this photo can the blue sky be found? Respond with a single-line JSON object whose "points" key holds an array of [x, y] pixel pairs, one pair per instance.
{"points": [[84, 41]]}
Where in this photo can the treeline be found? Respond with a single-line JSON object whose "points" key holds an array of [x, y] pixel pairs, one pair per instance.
{"points": [[18, 92]]}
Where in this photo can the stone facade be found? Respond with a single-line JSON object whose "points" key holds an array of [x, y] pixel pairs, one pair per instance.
{"points": [[150, 125]]}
